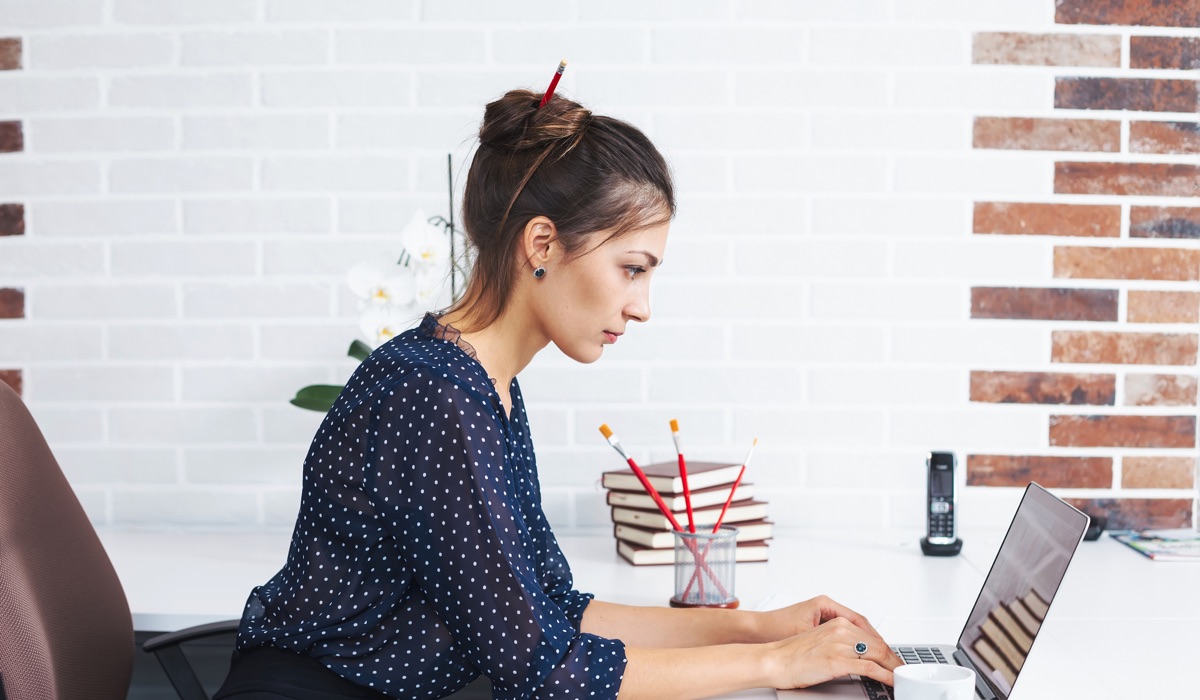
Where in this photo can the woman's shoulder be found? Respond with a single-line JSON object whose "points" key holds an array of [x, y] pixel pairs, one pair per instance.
{"points": [[415, 355]]}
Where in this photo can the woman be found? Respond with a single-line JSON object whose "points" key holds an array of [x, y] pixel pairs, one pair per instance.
{"points": [[421, 557]]}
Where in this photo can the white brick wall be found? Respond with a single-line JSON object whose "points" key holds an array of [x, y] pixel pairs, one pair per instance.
{"points": [[103, 217], [181, 91], [256, 132], [118, 134], [111, 50], [198, 175]]}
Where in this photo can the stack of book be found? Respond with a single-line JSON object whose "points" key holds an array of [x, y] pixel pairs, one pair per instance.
{"points": [[644, 534]]}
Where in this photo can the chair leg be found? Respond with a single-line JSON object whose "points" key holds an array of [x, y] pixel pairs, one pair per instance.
{"points": [[180, 673]]}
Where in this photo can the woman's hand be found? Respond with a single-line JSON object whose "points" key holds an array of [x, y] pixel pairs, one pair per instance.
{"points": [[827, 651], [801, 617]]}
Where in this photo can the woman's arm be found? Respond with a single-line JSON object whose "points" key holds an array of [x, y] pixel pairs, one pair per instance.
{"points": [[698, 652], [657, 627], [820, 654]]}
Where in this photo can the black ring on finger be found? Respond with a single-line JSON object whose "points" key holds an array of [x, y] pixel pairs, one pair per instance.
{"points": [[860, 649]]}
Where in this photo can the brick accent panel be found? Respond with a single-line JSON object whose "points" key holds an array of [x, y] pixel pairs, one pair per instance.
{"points": [[1013, 133], [1150, 179], [1044, 304], [1158, 472], [1127, 12], [1082, 262], [1164, 137], [13, 378], [12, 219], [1012, 48], [12, 215], [1044, 387], [12, 137], [1137, 94], [1123, 431], [1113, 348], [1052, 472], [1177, 52], [1082, 205], [1160, 390], [1164, 222], [1163, 307], [10, 53], [1133, 513], [1033, 219], [12, 303]]}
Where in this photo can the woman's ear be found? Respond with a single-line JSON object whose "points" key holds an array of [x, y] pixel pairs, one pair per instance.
{"points": [[539, 234]]}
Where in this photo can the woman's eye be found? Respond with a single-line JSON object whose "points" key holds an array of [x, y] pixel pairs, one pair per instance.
{"points": [[634, 270]]}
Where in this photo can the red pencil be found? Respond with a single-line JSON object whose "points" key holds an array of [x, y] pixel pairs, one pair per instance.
{"points": [[562, 66], [687, 492], [733, 490], [720, 518], [641, 476]]}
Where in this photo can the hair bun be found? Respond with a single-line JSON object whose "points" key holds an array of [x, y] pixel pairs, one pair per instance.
{"points": [[515, 122]]}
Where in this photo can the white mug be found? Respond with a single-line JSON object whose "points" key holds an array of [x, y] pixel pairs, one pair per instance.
{"points": [[934, 682]]}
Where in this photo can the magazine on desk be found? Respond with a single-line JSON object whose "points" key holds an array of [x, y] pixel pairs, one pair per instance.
{"points": [[1162, 545]]}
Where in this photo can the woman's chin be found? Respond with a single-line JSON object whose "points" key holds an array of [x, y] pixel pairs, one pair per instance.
{"points": [[581, 354]]}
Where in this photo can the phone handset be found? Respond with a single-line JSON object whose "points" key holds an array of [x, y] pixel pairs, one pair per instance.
{"points": [[941, 507]]}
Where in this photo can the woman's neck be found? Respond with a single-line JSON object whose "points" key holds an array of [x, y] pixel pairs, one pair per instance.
{"points": [[504, 347]]}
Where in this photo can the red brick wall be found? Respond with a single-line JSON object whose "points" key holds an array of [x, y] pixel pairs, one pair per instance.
{"points": [[12, 215], [1125, 293]]}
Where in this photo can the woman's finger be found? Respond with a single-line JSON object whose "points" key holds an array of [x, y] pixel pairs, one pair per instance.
{"points": [[877, 651], [835, 609], [870, 669]]}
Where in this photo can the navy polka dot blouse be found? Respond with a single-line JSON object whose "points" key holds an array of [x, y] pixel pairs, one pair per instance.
{"points": [[421, 557]]}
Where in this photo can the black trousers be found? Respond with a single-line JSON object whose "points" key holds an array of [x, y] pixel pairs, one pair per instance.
{"points": [[274, 674]]}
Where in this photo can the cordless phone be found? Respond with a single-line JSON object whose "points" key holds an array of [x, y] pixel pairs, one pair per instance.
{"points": [[941, 507]]}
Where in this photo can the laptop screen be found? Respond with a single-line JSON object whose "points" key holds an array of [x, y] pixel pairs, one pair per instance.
{"points": [[1021, 585]]}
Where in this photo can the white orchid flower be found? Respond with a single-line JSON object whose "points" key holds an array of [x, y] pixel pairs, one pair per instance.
{"points": [[381, 323], [375, 287], [427, 244], [431, 288]]}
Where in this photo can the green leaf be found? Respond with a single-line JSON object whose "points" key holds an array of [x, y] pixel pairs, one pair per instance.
{"points": [[317, 397], [359, 350]]}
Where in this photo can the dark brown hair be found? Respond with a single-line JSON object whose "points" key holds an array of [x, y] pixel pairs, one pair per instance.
{"points": [[587, 173]]}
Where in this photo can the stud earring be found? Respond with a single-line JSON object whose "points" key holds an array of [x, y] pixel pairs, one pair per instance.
{"points": [[539, 272]]}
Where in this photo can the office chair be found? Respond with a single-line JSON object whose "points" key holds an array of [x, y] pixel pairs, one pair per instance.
{"points": [[65, 628]]}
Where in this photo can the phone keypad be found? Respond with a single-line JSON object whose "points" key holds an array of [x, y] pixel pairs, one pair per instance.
{"points": [[941, 519]]}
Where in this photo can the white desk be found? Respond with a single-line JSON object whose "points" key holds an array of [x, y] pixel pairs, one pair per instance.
{"points": [[1120, 621]]}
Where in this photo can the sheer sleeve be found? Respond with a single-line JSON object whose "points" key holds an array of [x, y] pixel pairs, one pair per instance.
{"points": [[444, 477]]}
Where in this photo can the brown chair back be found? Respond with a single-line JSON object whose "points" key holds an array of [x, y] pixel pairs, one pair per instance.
{"points": [[65, 628]]}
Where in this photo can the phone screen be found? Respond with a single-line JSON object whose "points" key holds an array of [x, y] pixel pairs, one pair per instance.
{"points": [[941, 482]]}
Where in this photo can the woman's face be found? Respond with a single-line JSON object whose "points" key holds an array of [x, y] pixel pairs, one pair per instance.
{"points": [[587, 301]]}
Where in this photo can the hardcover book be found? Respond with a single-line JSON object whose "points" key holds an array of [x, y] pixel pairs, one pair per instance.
{"points": [[712, 496], [664, 477], [749, 531], [739, 511]]}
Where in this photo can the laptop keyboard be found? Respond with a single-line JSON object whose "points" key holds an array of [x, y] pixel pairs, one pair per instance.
{"points": [[920, 655], [909, 655]]}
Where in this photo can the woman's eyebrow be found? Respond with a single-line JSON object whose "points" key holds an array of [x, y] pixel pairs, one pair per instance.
{"points": [[650, 257]]}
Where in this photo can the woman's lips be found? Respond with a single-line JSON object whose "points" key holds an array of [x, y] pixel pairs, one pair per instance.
{"points": [[611, 337]]}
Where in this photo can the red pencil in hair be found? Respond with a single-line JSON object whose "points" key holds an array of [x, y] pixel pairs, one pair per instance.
{"points": [[562, 66], [687, 493], [733, 490]]}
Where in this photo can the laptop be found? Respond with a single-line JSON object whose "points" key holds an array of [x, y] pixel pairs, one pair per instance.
{"points": [[1009, 611]]}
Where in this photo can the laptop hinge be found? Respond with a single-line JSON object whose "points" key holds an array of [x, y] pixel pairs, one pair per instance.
{"points": [[983, 688]]}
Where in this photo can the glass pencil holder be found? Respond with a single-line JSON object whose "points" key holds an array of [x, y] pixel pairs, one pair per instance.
{"points": [[704, 569]]}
